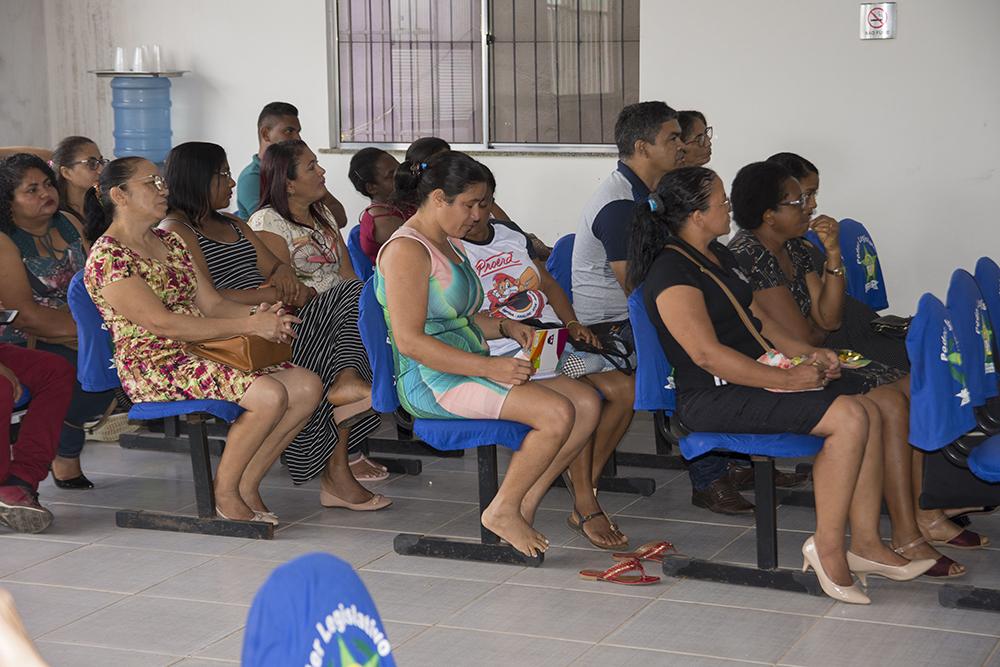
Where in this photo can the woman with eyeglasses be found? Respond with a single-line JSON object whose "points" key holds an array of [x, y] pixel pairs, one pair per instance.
{"points": [[294, 225], [697, 137], [155, 300], [77, 163], [807, 300], [704, 313], [41, 248]]}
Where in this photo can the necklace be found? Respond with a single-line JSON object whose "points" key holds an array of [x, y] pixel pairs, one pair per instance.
{"points": [[45, 240]]}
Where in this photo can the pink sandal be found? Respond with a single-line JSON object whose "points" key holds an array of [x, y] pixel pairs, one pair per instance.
{"points": [[616, 574], [651, 551]]}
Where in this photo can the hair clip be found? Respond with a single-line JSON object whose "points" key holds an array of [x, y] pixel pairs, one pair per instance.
{"points": [[423, 165], [655, 202]]}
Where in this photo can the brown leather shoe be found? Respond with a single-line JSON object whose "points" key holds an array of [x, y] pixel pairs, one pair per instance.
{"points": [[722, 498], [742, 478]]}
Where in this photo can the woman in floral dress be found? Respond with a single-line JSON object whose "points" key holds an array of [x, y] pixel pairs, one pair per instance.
{"points": [[154, 301]]}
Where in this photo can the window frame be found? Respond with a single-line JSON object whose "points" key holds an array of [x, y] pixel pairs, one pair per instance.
{"points": [[485, 146]]}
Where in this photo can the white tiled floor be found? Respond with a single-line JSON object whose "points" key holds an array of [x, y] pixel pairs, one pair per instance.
{"points": [[89, 590]]}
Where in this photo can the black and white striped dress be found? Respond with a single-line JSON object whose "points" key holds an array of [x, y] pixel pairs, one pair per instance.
{"points": [[328, 342]]}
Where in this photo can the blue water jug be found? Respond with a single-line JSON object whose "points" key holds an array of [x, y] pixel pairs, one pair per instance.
{"points": [[142, 117]]}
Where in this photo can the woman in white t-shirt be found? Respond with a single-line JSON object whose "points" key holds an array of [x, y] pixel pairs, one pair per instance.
{"points": [[518, 287]]}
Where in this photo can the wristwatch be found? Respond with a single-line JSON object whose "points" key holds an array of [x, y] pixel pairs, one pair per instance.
{"points": [[839, 271]]}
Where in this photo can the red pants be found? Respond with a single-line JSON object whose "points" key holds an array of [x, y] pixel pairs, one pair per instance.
{"points": [[49, 379]]}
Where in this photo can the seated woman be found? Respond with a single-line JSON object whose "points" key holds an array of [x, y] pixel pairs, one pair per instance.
{"points": [[773, 210], [674, 255], [431, 296], [294, 226], [77, 163], [518, 287], [154, 300], [41, 249], [372, 171], [697, 137]]}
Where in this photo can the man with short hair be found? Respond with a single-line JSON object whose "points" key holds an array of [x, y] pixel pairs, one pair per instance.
{"points": [[278, 121], [649, 141]]}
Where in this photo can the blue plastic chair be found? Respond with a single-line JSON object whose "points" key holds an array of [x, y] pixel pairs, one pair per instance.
{"points": [[988, 281], [655, 391], [975, 336], [359, 260], [443, 434], [941, 414], [96, 372], [863, 269], [560, 263], [315, 610]]}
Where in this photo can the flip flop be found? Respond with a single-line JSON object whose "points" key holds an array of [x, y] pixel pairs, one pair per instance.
{"points": [[651, 551], [578, 527], [616, 574]]}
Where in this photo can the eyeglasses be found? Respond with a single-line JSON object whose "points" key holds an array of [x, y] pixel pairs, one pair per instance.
{"points": [[801, 202], [225, 173], [156, 181], [702, 138], [93, 163], [728, 204]]}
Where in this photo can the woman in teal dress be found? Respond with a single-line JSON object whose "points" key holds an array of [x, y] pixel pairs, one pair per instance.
{"points": [[431, 297]]}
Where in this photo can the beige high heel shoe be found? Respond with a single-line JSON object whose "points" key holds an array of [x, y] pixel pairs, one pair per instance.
{"points": [[851, 594], [863, 567]]}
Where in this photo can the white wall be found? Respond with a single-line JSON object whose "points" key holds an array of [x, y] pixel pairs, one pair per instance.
{"points": [[23, 74], [904, 131]]}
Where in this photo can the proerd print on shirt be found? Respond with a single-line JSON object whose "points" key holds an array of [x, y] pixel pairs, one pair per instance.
{"points": [[515, 292]]}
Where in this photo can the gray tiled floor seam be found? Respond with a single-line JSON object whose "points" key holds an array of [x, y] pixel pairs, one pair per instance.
{"points": [[911, 626], [693, 655], [604, 591], [507, 633], [131, 650], [791, 646], [769, 610]]}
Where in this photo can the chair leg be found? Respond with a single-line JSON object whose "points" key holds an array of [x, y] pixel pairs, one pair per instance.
{"points": [[766, 574], [488, 549], [201, 466], [663, 459], [206, 523], [172, 438], [766, 514], [399, 466]]}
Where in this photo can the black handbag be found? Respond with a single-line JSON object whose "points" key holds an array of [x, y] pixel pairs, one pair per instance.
{"points": [[893, 326], [617, 345]]}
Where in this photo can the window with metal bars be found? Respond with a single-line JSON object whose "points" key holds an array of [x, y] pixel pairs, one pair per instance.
{"points": [[556, 72]]}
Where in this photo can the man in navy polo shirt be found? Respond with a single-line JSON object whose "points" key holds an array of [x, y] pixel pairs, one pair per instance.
{"points": [[648, 136]]}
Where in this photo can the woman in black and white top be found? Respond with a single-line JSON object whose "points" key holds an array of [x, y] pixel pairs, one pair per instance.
{"points": [[721, 386], [243, 269]]}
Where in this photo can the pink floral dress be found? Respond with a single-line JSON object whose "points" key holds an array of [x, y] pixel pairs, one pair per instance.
{"points": [[152, 368]]}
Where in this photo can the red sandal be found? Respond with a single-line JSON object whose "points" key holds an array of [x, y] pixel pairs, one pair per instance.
{"points": [[966, 539], [616, 574], [651, 551]]}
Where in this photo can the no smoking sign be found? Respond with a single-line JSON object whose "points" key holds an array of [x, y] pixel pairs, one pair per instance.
{"points": [[878, 20]]}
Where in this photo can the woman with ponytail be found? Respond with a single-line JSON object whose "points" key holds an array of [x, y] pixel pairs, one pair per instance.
{"points": [[431, 297], [676, 261], [77, 163], [154, 300]]}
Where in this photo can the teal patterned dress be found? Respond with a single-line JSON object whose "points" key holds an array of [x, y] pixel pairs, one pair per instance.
{"points": [[454, 296]]}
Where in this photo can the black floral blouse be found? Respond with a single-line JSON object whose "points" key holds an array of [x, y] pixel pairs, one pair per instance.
{"points": [[764, 272]]}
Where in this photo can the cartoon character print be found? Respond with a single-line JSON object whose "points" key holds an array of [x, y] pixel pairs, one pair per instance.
{"points": [[516, 298]]}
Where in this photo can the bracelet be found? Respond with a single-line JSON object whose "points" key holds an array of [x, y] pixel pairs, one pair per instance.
{"points": [[500, 327], [572, 322], [253, 310], [839, 271]]}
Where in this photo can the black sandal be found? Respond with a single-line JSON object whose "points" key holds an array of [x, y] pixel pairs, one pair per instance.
{"points": [[578, 527]]}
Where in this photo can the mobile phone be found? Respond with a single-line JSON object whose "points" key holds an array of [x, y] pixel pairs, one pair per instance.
{"points": [[7, 316]]}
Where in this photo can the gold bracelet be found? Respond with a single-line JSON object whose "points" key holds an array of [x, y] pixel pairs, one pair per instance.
{"points": [[253, 310], [572, 322]]}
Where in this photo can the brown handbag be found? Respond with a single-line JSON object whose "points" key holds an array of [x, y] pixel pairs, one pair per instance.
{"points": [[245, 353]]}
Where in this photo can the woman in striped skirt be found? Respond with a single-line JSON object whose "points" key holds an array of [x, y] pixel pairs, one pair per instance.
{"points": [[306, 272]]}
